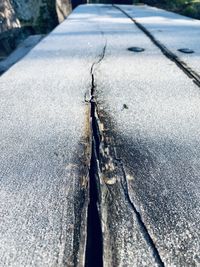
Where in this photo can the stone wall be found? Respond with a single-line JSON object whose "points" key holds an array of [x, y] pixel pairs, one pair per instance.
{"points": [[8, 18], [63, 9], [42, 15], [21, 18]]}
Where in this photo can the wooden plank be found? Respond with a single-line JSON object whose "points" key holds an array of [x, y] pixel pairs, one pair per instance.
{"points": [[20, 52], [171, 30], [148, 114], [145, 130], [45, 147]]}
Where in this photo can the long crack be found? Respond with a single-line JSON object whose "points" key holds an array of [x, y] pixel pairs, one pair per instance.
{"points": [[94, 246], [143, 227], [113, 158]]}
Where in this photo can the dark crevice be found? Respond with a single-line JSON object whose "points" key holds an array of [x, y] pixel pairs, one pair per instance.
{"points": [[93, 210], [95, 130], [169, 54], [94, 245]]}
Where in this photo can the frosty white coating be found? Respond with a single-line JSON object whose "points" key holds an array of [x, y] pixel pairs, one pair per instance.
{"points": [[172, 30]]}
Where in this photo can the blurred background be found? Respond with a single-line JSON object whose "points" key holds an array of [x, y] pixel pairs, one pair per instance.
{"points": [[22, 18]]}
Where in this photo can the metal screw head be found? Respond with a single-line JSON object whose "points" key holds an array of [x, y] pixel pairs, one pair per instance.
{"points": [[136, 49], [186, 50]]}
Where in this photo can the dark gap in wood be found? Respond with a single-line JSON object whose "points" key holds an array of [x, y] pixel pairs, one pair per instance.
{"points": [[94, 245]]}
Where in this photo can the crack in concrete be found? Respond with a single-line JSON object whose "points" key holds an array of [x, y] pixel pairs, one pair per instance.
{"points": [[166, 52]]}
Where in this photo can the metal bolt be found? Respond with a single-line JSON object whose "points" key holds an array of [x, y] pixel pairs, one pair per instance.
{"points": [[186, 50], [136, 49]]}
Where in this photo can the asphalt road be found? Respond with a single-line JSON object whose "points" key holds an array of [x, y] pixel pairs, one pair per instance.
{"points": [[147, 165]]}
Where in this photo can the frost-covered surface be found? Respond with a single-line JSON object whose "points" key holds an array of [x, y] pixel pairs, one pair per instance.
{"points": [[44, 146], [172, 30], [20, 52], [151, 109]]}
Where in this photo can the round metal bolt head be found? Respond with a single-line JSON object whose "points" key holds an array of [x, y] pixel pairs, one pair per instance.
{"points": [[186, 50], [136, 49]]}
